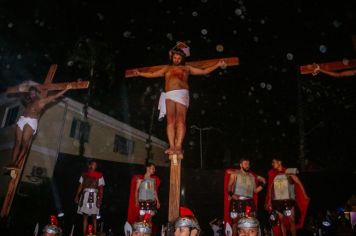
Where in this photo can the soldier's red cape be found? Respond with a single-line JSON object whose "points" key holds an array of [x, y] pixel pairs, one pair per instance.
{"points": [[133, 211], [301, 202], [227, 175]]}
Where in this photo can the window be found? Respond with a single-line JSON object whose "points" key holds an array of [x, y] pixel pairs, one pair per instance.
{"points": [[10, 116], [123, 145], [80, 129]]}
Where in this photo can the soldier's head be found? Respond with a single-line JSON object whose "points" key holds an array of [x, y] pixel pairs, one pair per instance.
{"points": [[248, 226], [186, 224], [92, 165], [141, 228], [244, 163], [52, 229], [277, 162], [150, 168]]}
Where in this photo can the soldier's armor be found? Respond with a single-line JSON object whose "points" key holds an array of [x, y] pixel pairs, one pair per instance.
{"points": [[283, 189], [90, 182], [147, 190], [245, 185]]}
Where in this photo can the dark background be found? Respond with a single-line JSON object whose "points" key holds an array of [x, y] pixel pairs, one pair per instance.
{"points": [[256, 108]]}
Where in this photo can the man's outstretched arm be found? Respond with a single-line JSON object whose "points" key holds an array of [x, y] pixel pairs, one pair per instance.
{"points": [[55, 96], [155, 74], [205, 71]]}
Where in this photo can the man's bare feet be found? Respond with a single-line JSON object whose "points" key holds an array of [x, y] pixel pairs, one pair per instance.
{"points": [[178, 151], [169, 151]]}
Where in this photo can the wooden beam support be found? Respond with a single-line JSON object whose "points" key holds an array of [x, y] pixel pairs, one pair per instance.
{"points": [[174, 187]]}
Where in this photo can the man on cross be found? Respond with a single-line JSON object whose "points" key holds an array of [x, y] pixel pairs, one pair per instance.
{"points": [[345, 73], [27, 123], [175, 100]]}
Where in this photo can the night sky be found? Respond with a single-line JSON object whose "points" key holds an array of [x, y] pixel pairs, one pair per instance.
{"points": [[255, 108]]}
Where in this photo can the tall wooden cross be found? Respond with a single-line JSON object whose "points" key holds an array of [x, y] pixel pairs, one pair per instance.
{"points": [[16, 174], [175, 169]]}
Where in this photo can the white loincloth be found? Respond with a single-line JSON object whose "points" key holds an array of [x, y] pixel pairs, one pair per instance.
{"points": [[32, 122], [180, 96]]}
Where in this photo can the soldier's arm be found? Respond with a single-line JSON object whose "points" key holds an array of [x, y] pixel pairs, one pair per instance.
{"points": [[79, 190], [230, 186], [138, 182]]}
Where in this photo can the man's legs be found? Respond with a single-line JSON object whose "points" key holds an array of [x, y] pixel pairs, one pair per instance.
{"points": [[93, 217], [26, 140], [85, 224], [181, 112], [17, 145], [171, 123], [292, 223], [281, 221]]}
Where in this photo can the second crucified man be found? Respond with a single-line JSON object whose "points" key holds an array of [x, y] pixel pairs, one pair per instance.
{"points": [[175, 101]]}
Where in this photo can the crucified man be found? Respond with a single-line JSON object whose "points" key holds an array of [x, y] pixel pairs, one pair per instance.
{"points": [[175, 100], [26, 125]]}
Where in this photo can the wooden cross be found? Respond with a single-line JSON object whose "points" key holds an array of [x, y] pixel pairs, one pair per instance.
{"points": [[175, 171], [16, 174], [48, 85]]}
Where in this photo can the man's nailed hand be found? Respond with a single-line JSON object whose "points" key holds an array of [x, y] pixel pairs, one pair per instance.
{"points": [[316, 69]]}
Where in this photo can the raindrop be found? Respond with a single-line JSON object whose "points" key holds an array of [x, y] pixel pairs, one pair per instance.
{"points": [[204, 31], [269, 87], [223, 97], [194, 13], [234, 32], [242, 17], [70, 63], [169, 36], [238, 11], [336, 23], [10, 25], [289, 56], [252, 88], [202, 112], [204, 1], [127, 34], [260, 111], [195, 95], [100, 16], [278, 122], [255, 39], [262, 21], [191, 143], [219, 48], [323, 48], [283, 134], [263, 85], [19, 56], [257, 101], [249, 94], [292, 119]]}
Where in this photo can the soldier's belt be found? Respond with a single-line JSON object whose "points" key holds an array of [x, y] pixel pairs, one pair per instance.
{"points": [[90, 190]]}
